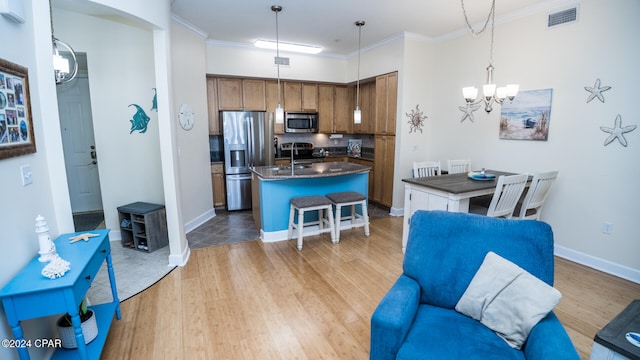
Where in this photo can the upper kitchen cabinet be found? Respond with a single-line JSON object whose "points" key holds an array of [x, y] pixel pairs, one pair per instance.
{"points": [[272, 102], [254, 95], [386, 103], [335, 109], [367, 108], [343, 111], [292, 96], [229, 94], [325, 108], [212, 105], [241, 94], [309, 97], [300, 96]]}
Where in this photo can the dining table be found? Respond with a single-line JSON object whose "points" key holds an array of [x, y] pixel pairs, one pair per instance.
{"points": [[449, 192]]}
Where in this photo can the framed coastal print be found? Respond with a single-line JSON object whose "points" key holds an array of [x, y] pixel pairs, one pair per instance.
{"points": [[527, 117], [16, 124]]}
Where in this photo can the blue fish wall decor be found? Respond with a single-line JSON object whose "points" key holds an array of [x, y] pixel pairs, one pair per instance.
{"points": [[154, 102], [140, 120]]}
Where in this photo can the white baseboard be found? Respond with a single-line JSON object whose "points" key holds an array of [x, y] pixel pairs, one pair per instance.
{"points": [[606, 266], [199, 220], [180, 259], [115, 235], [281, 235], [396, 211]]}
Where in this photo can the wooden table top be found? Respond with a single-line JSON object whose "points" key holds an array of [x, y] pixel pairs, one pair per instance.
{"points": [[457, 183]]}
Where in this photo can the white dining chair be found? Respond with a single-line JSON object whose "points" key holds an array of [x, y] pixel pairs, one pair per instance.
{"points": [[426, 168], [458, 166], [508, 191], [531, 206]]}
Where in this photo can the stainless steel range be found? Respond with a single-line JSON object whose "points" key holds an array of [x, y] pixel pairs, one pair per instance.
{"points": [[302, 152]]}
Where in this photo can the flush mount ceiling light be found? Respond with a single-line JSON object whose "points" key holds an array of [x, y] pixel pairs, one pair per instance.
{"points": [[279, 110], [357, 115], [63, 73], [490, 93], [272, 45]]}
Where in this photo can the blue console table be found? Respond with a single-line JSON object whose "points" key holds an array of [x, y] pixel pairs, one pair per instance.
{"points": [[31, 295]]}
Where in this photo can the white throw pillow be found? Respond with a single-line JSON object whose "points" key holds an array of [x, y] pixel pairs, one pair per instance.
{"points": [[507, 299]]}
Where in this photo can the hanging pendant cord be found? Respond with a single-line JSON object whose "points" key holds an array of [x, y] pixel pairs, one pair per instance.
{"points": [[490, 17], [278, 53], [359, 51]]}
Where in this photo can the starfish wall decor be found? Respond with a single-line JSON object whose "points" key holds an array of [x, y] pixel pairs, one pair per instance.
{"points": [[617, 132], [468, 111], [596, 91]]}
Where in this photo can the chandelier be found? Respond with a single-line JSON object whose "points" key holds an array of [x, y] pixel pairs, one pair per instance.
{"points": [[62, 72], [490, 92]]}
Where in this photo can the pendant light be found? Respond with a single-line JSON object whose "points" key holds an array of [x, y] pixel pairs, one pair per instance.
{"points": [[279, 110], [62, 72], [357, 115]]}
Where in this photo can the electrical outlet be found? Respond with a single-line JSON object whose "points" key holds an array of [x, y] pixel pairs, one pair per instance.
{"points": [[607, 228]]}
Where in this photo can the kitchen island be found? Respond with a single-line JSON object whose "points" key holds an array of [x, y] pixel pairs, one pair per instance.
{"points": [[273, 186]]}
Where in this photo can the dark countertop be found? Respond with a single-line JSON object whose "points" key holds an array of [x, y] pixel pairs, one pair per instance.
{"points": [[315, 170], [457, 183]]}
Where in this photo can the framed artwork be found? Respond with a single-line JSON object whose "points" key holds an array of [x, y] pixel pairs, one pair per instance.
{"points": [[16, 124], [527, 117]]}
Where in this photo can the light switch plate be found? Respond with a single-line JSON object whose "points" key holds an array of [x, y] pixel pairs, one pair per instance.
{"points": [[26, 174]]}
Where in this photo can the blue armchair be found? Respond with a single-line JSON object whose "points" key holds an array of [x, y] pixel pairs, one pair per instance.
{"points": [[417, 319]]}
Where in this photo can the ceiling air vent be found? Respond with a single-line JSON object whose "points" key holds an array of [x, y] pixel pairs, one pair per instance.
{"points": [[562, 17]]}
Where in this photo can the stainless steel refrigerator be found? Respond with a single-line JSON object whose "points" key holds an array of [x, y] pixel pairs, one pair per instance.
{"points": [[248, 141]]}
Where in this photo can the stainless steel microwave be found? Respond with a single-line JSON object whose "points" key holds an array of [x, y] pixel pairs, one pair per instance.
{"points": [[301, 122]]}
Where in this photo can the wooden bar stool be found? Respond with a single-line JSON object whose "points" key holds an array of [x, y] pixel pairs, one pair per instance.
{"points": [[311, 203], [350, 198]]}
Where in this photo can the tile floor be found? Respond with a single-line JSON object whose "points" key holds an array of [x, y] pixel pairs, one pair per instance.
{"points": [[137, 270]]}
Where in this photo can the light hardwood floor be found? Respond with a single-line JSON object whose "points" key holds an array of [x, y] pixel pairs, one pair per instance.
{"points": [[255, 300]]}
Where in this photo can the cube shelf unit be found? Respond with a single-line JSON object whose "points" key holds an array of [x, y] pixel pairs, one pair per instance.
{"points": [[143, 226]]}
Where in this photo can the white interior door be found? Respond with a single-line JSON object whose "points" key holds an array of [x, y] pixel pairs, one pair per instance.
{"points": [[80, 153]]}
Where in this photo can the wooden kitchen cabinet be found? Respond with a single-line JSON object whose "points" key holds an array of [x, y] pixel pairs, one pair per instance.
{"points": [[229, 94], [309, 94], [383, 166], [325, 108], [253, 95], [386, 103], [367, 108], [271, 95], [343, 111], [292, 96], [300, 96], [241, 94], [217, 185], [212, 106]]}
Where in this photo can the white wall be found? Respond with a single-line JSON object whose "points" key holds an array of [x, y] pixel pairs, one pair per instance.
{"points": [[29, 44], [21, 204], [121, 73], [595, 183], [254, 62], [190, 87]]}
